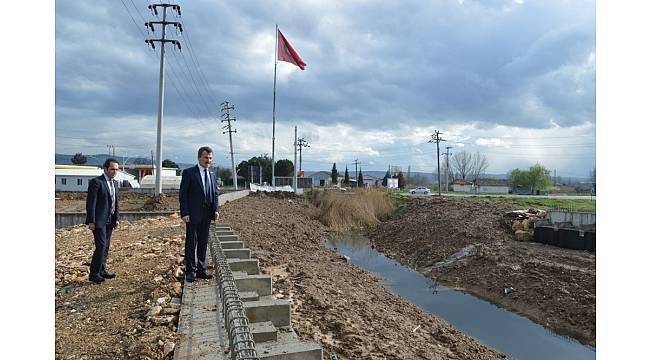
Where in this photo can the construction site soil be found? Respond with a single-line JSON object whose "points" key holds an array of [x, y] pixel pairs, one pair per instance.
{"points": [[552, 286], [333, 302]]}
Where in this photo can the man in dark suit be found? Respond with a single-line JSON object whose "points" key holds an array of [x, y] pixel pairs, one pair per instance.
{"points": [[199, 203], [102, 212]]}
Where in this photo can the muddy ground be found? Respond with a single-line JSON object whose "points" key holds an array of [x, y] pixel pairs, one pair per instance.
{"points": [[554, 287], [334, 302]]}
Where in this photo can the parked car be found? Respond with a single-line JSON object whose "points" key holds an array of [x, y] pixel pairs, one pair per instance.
{"points": [[420, 190]]}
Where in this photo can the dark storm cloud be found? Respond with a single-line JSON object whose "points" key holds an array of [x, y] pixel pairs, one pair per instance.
{"points": [[370, 64]]}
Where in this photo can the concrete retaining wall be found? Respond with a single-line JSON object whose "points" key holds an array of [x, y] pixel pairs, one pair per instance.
{"points": [[575, 218], [75, 218]]}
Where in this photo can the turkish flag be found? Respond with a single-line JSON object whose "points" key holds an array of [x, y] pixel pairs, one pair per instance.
{"points": [[287, 53]]}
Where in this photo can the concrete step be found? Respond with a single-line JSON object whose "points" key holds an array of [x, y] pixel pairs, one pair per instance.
{"points": [[260, 283], [277, 311], [222, 227], [232, 244], [249, 296], [222, 232], [294, 350], [237, 253], [249, 266], [223, 238], [263, 332]]}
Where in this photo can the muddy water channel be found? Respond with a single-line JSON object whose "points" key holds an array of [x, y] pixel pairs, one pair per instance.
{"points": [[495, 327]]}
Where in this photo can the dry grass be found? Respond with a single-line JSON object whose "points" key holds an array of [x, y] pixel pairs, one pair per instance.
{"points": [[347, 210]]}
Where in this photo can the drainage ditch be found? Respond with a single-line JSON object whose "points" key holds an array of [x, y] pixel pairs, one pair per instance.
{"points": [[493, 326]]}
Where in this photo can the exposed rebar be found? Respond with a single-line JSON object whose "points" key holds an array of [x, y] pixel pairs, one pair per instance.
{"points": [[242, 345]]}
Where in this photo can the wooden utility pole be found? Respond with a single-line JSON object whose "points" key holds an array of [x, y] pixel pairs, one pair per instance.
{"points": [[435, 137], [301, 143], [447, 168], [225, 114]]}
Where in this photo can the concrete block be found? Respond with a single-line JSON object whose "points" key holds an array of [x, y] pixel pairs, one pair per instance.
{"points": [[237, 253], [263, 332], [249, 296], [277, 311], [249, 266], [223, 238], [261, 283], [224, 232], [232, 244], [297, 350]]}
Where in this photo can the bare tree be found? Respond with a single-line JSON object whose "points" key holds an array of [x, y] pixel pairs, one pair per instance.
{"points": [[479, 165], [462, 163]]}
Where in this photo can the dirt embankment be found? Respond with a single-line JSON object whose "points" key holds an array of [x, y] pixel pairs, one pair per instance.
{"points": [[552, 286], [129, 201], [334, 302]]}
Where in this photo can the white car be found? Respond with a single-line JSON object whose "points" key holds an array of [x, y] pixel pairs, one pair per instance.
{"points": [[420, 190]]}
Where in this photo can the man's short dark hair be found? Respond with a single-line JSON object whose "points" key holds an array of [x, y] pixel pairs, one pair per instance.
{"points": [[204, 148], [108, 162]]}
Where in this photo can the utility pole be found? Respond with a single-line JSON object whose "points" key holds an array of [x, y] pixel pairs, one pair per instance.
{"points": [[302, 143], [225, 110], [111, 150], [447, 167], [161, 81], [435, 137], [295, 154], [356, 175]]}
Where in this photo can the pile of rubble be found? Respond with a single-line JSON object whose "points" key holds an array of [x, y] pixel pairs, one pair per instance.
{"points": [[522, 222]]}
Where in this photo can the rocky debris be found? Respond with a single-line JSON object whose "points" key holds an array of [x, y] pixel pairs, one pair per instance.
{"points": [[168, 348], [522, 222], [118, 308], [161, 202]]}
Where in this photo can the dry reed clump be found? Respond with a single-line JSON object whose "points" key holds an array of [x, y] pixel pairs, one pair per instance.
{"points": [[343, 211]]}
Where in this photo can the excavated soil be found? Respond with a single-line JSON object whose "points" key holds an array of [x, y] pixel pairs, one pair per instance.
{"points": [[334, 302], [552, 286]]}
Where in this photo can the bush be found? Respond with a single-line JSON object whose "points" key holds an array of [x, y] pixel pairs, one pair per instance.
{"points": [[344, 211]]}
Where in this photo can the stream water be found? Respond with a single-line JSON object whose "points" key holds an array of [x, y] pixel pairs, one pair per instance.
{"points": [[493, 326]]}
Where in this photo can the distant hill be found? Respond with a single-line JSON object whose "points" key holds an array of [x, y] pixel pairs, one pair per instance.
{"points": [[98, 160]]}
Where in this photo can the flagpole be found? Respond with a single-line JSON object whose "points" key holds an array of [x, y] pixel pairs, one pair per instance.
{"points": [[275, 71]]}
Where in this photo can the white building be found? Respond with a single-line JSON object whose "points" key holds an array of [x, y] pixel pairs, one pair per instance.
{"points": [[321, 179], [76, 177], [167, 182]]}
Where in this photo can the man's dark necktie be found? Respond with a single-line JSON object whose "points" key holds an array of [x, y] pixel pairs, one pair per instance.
{"points": [[208, 188]]}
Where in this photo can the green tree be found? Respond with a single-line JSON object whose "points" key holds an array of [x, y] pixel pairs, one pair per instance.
{"points": [[255, 162], [169, 164], [225, 174], [518, 178], [539, 177], [384, 181], [284, 167], [243, 169], [346, 178], [79, 159], [334, 175], [360, 179], [400, 180]]}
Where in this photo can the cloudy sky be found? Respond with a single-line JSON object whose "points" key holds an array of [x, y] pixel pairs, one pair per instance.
{"points": [[511, 79]]}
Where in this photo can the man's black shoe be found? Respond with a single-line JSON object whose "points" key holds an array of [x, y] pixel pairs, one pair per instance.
{"points": [[190, 278], [96, 280], [107, 274], [206, 275]]}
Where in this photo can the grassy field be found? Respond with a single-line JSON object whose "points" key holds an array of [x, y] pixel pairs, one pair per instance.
{"points": [[544, 203]]}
